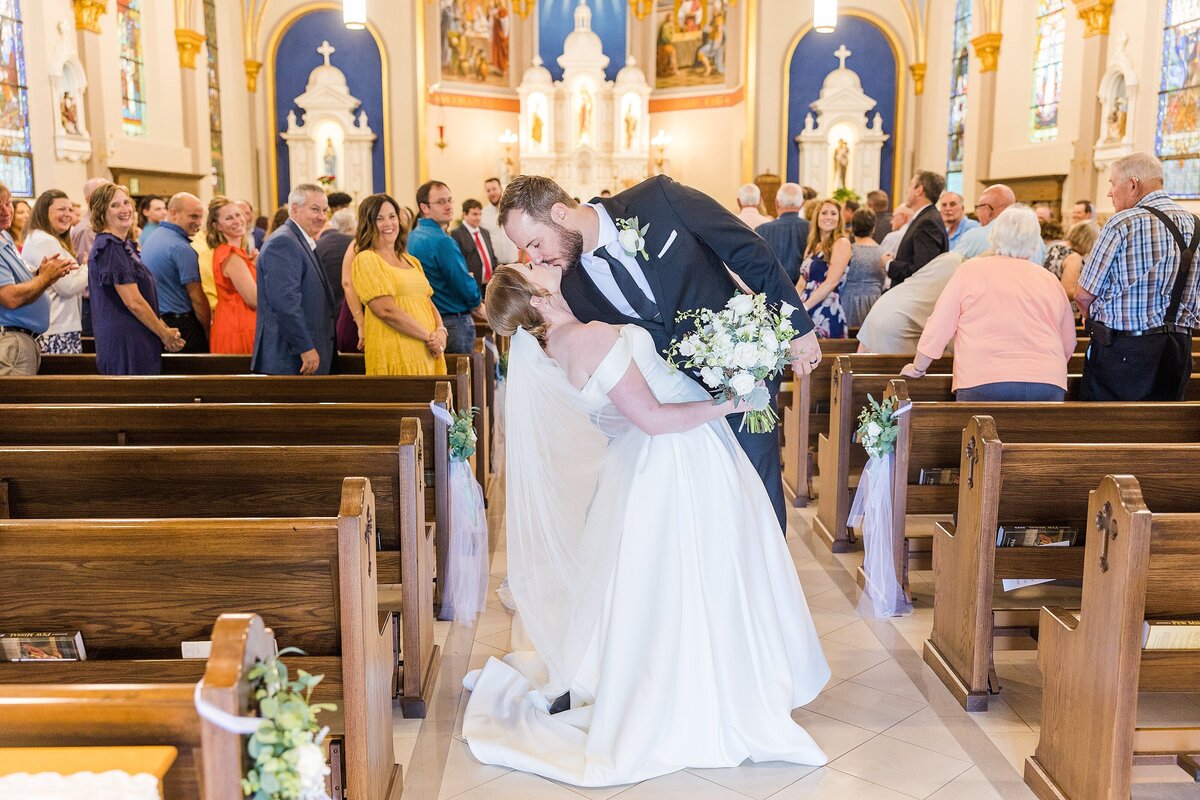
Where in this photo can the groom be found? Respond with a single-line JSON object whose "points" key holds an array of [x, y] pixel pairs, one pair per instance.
{"points": [[689, 241]]}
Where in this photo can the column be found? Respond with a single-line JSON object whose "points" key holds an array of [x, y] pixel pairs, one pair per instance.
{"points": [[1081, 177], [983, 102], [99, 97], [918, 76]]}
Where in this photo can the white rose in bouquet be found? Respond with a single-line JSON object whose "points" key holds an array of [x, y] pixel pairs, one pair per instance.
{"points": [[745, 356], [711, 377], [687, 347], [742, 383], [873, 429], [741, 305]]}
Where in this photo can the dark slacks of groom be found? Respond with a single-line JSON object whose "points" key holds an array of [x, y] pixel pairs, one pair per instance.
{"points": [[691, 245]]}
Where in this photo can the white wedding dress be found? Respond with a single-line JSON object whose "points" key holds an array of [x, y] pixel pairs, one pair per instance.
{"points": [[701, 643]]}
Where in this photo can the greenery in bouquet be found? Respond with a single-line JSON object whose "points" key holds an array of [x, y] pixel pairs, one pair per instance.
{"points": [[288, 762], [877, 428], [502, 367], [462, 434], [842, 194], [733, 350]]}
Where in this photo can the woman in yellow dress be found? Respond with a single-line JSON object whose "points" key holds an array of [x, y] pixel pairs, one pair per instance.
{"points": [[402, 331]]}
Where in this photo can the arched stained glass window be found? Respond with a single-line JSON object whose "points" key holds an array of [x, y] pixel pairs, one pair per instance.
{"points": [[958, 96], [133, 64], [16, 159], [214, 95], [1047, 70], [1178, 139]]}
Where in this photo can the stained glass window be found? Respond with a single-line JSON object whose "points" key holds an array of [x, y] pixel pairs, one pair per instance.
{"points": [[16, 159], [214, 95], [1047, 70], [1178, 139], [958, 96], [133, 83]]}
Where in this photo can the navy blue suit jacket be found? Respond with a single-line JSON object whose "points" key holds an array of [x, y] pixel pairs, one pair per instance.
{"points": [[295, 305]]}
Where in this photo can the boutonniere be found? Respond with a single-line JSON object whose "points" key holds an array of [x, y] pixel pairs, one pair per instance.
{"points": [[632, 238]]}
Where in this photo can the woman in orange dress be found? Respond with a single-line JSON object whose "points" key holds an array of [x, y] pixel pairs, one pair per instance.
{"points": [[235, 276]]}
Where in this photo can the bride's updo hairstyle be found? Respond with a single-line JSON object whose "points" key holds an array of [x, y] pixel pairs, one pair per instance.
{"points": [[507, 302]]}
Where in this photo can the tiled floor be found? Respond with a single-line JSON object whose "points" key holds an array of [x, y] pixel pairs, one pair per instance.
{"points": [[890, 728]]}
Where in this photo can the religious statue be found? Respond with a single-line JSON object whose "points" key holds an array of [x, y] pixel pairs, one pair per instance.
{"points": [[841, 160], [1117, 119], [535, 127], [330, 158], [631, 125], [69, 114], [585, 113]]}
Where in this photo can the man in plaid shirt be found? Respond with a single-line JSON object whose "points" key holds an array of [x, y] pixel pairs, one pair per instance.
{"points": [[1140, 306]]}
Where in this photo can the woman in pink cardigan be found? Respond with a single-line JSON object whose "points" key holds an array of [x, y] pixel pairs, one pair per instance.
{"points": [[1010, 320]]}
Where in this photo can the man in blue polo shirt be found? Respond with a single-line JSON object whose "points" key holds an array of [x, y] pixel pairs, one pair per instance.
{"points": [[24, 307], [169, 255], [455, 292]]}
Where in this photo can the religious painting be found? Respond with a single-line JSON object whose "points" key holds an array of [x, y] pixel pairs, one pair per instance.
{"points": [[16, 160], [1178, 138], [133, 64], [1047, 70], [690, 44], [958, 96], [474, 40]]}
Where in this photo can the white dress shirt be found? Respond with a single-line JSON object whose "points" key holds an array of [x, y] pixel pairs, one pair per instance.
{"points": [[502, 246], [66, 293], [601, 273]]}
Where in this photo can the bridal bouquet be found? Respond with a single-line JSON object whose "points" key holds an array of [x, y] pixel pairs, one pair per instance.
{"points": [[734, 349]]}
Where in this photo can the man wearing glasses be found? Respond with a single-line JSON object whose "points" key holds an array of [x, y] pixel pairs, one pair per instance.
{"points": [[990, 204], [455, 292]]}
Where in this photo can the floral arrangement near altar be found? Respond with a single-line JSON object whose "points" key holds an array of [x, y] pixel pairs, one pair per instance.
{"points": [[289, 762], [737, 348], [876, 428]]}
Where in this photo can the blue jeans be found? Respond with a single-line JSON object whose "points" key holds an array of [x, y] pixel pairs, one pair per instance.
{"points": [[460, 333], [1011, 391]]}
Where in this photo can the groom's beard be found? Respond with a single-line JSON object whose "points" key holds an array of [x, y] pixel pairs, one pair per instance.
{"points": [[571, 244]]}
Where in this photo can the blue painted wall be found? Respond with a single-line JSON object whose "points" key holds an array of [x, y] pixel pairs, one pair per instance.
{"points": [[871, 58], [356, 56], [556, 18]]}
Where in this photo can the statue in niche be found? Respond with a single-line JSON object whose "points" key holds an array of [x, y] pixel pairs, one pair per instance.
{"points": [[841, 161], [535, 126], [69, 114], [631, 126], [585, 113], [1118, 118], [330, 158]]}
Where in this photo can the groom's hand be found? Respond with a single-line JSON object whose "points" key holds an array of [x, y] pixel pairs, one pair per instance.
{"points": [[806, 353]]}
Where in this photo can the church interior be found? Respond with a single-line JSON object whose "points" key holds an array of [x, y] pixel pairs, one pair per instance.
{"points": [[154, 512]]}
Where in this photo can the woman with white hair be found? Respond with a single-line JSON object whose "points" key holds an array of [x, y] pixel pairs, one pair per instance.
{"points": [[1011, 322]]}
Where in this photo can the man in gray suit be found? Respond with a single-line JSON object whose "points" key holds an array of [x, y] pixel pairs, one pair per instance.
{"points": [[294, 331]]}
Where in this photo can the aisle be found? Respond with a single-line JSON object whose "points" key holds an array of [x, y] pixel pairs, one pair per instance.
{"points": [[892, 731]]}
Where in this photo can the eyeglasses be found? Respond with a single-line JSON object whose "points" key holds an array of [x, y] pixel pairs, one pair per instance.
{"points": [[444, 202], [988, 206]]}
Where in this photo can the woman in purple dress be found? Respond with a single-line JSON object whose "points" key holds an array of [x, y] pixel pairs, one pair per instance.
{"points": [[130, 337]]}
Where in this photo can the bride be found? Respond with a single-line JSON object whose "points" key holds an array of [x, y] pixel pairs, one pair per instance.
{"points": [[646, 563]]}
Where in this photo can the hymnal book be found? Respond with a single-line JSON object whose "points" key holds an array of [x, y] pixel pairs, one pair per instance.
{"points": [[1031, 536], [42, 647], [1012, 584], [938, 476], [1171, 634]]}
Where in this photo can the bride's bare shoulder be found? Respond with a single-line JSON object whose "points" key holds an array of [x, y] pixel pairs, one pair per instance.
{"points": [[586, 345]]}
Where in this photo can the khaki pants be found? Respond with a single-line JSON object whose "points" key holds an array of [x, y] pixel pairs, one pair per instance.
{"points": [[19, 354]]}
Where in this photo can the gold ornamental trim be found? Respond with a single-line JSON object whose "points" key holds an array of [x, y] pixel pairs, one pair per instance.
{"points": [[918, 73], [1096, 15], [252, 69], [87, 14], [188, 43], [987, 50]]}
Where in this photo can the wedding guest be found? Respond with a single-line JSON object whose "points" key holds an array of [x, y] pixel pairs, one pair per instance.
{"points": [[337, 202], [864, 274], [260, 231], [49, 235], [403, 332], [76, 213], [475, 242], [926, 235], [898, 317], [19, 227], [787, 235], [175, 264], [954, 216], [1056, 248], [1082, 211], [24, 307], [294, 327], [749, 197], [506, 251], [130, 337], [152, 210], [990, 205], [252, 244], [900, 217], [455, 292], [82, 234], [1044, 212], [277, 219], [1081, 239], [877, 201], [235, 276], [1012, 326], [825, 259], [331, 252]]}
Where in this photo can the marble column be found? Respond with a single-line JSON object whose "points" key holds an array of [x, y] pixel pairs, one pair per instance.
{"points": [[1081, 177], [103, 94], [918, 76], [983, 103], [193, 84]]}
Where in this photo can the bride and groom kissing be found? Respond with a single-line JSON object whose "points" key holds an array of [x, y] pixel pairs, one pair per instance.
{"points": [[645, 553]]}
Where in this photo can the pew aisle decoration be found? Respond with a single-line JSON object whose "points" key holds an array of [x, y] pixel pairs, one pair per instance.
{"points": [[285, 740], [737, 348], [498, 407], [872, 510], [465, 590]]}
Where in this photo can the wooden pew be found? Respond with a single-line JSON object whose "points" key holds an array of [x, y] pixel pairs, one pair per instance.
{"points": [[235, 480], [1137, 566], [186, 364], [136, 588], [208, 765], [1027, 483], [930, 435]]}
